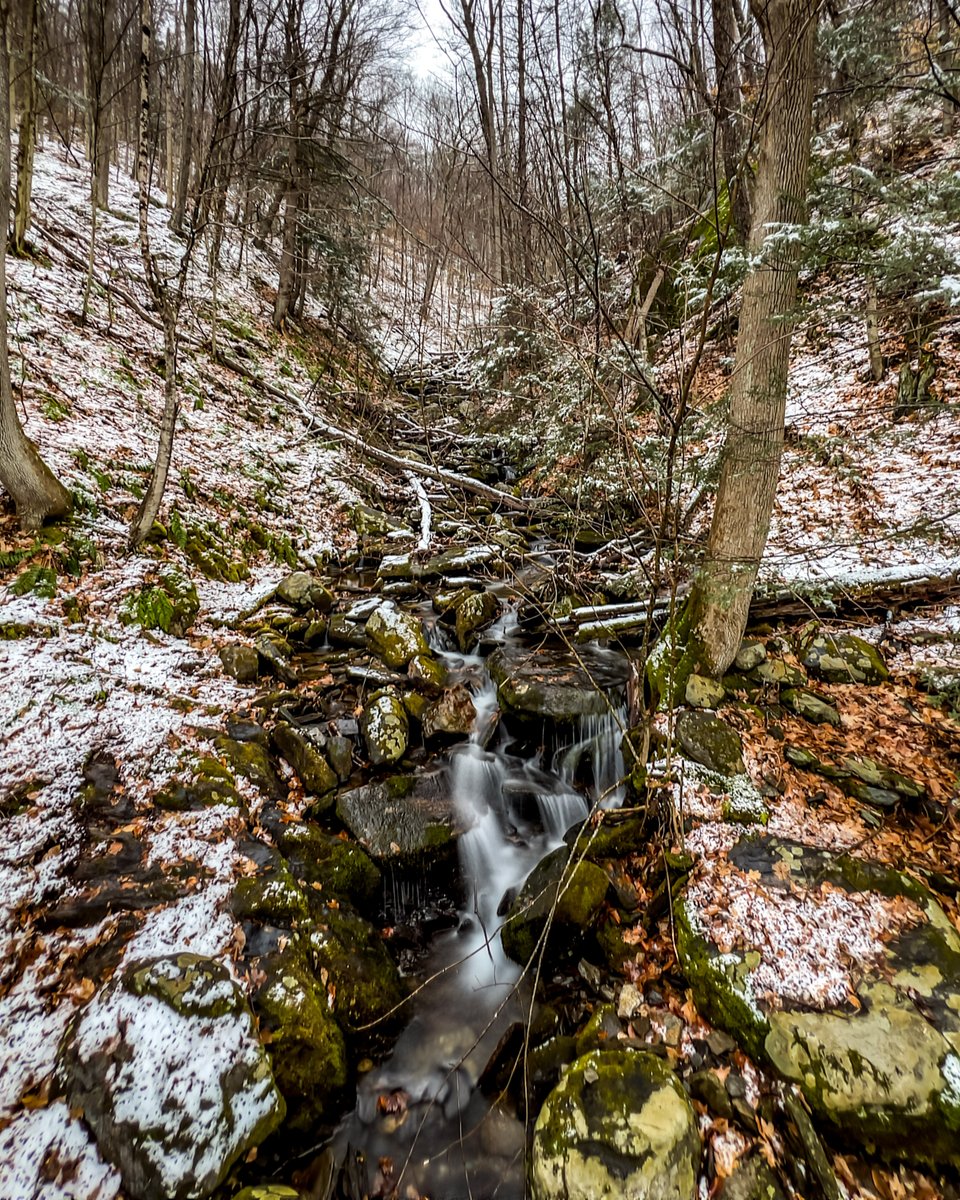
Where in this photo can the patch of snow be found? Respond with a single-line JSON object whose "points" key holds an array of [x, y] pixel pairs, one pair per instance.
{"points": [[47, 1154]]}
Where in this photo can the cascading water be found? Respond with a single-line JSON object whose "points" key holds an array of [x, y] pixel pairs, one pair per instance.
{"points": [[421, 1126]]}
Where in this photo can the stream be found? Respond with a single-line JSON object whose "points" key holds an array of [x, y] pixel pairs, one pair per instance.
{"points": [[423, 1124]]}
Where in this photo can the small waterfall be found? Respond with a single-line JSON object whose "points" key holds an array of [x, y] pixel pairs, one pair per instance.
{"points": [[597, 737]]}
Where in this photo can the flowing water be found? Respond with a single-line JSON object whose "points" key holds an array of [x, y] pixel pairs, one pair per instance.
{"points": [[422, 1125]]}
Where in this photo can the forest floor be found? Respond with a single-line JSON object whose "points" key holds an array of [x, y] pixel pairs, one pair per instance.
{"points": [[254, 494]]}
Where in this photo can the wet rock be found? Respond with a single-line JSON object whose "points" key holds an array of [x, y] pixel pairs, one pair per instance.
{"points": [[241, 662], [398, 566], [168, 1070], [462, 558], [474, 612], [554, 684], [710, 741], [170, 605], [331, 865], [753, 1180], [884, 1070], [371, 522], [750, 655], [312, 769], [453, 715], [384, 727], [343, 631], [272, 896], [570, 899], [250, 760], [395, 636], [844, 658], [339, 751], [610, 833], [702, 692], [618, 1124], [402, 820], [428, 672], [304, 591], [809, 706], [276, 654], [305, 1044], [707, 1087]]}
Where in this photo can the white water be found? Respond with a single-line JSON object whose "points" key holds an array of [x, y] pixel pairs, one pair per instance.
{"points": [[450, 1143]]}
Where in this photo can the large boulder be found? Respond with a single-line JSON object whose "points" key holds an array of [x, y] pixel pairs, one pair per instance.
{"points": [[710, 741], [333, 866], [385, 728], [169, 1072], [844, 976], [557, 684], [304, 591], [618, 1124], [844, 658], [403, 820], [568, 897], [394, 635], [451, 716], [474, 612], [307, 760]]}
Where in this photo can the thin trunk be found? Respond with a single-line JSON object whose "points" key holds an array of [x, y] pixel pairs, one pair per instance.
{"points": [[727, 113], [28, 130], [36, 491], [186, 144], [750, 469], [948, 108], [873, 333]]}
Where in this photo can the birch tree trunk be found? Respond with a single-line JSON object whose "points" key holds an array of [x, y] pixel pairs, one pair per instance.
{"points": [[28, 130], [36, 491], [750, 464]]}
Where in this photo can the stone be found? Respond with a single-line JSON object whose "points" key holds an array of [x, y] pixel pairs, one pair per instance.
{"points": [[707, 1087], [371, 522], [343, 631], [250, 760], [268, 1191], [340, 755], [385, 727], [844, 658], [777, 672], [452, 716], [403, 820], [305, 1044], [167, 1067], [750, 655], [710, 741], [328, 864], [570, 900], [305, 591], [474, 612], [312, 769], [703, 692], [428, 672], [753, 1180], [398, 566], [395, 636], [744, 806], [171, 605], [462, 558], [809, 706], [240, 661], [618, 1124], [276, 654], [272, 896], [555, 683], [883, 1070]]}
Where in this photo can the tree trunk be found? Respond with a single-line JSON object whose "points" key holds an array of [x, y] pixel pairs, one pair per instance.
{"points": [[186, 144], [720, 598], [727, 111], [873, 332], [36, 491], [28, 130]]}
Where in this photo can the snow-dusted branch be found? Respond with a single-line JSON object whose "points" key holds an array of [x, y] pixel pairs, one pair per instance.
{"points": [[425, 512]]}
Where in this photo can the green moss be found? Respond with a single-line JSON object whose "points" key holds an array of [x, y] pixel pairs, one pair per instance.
{"points": [[671, 662], [274, 896], [334, 865], [569, 898]]}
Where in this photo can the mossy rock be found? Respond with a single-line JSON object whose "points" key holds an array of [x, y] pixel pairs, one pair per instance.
{"points": [[427, 672], [777, 672], [171, 605], [710, 741], [571, 898], [344, 632], [618, 1124], [36, 581], [276, 655], [403, 821], [344, 948], [473, 613], [395, 636], [844, 658], [610, 833], [556, 684], [312, 768], [241, 662], [371, 522], [703, 692], [334, 865], [305, 591], [305, 1044], [810, 706], [451, 716], [212, 784], [385, 728], [272, 896], [251, 761]]}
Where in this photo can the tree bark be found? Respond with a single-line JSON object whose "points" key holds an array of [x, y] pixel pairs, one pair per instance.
{"points": [[727, 110], [36, 491], [186, 144], [720, 598], [28, 130], [873, 332]]}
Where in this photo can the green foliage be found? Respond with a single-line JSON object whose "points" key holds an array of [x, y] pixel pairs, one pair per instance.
{"points": [[36, 581]]}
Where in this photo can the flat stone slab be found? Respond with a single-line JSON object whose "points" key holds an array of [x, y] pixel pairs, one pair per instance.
{"points": [[553, 683], [402, 820], [844, 975]]}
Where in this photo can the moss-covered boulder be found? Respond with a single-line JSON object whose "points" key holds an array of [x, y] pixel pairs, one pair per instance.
{"points": [[343, 631], [305, 1044], [312, 768], [251, 761], [403, 820], [810, 706], [475, 611], [618, 1124], [240, 661], [843, 975], [305, 591], [458, 559], [556, 684], [394, 635], [332, 865], [843, 658], [703, 692], [211, 783], [451, 716], [427, 673], [170, 1074], [272, 896], [385, 728], [569, 895], [171, 605], [710, 741], [372, 523]]}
